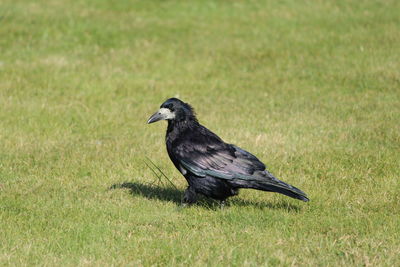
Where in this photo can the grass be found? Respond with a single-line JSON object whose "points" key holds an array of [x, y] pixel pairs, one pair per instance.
{"points": [[310, 87]]}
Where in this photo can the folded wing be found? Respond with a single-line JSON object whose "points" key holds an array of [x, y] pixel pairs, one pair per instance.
{"points": [[213, 157]]}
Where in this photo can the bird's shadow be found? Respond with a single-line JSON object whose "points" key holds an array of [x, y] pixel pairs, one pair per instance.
{"points": [[174, 195], [151, 191]]}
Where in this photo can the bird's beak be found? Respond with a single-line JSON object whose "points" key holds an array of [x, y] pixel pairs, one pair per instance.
{"points": [[156, 117]]}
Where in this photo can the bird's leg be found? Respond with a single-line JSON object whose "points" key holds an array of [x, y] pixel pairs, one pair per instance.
{"points": [[190, 197]]}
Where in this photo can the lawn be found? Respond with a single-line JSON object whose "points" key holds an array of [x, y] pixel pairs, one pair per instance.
{"points": [[310, 87]]}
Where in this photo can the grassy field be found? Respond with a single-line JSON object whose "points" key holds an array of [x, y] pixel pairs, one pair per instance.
{"points": [[310, 87]]}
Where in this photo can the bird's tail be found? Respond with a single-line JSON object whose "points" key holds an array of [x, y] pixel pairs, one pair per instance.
{"points": [[282, 188], [272, 184]]}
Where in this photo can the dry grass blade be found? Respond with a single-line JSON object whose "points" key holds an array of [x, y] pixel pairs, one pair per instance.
{"points": [[162, 173], [158, 176]]}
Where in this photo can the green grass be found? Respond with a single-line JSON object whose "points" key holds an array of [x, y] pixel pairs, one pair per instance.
{"points": [[310, 87]]}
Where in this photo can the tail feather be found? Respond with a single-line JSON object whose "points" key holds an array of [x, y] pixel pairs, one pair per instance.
{"points": [[271, 184], [289, 190]]}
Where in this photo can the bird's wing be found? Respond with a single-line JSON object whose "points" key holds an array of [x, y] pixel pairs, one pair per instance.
{"points": [[207, 155], [217, 159]]}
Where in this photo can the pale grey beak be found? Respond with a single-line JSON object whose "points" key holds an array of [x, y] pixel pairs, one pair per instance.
{"points": [[156, 117]]}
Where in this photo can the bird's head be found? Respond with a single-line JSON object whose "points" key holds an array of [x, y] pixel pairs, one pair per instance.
{"points": [[173, 109]]}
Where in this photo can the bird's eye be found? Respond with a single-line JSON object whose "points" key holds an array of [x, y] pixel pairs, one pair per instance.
{"points": [[170, 107]]}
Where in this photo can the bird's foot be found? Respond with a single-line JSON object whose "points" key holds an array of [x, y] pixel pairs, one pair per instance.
{"points": [[190, 197]]}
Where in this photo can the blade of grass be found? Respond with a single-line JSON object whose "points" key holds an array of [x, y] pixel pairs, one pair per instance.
{"points": [[166, 177], [158, 176]]}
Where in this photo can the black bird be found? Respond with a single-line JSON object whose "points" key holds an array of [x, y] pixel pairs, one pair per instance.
{"points": [[212, 167]]}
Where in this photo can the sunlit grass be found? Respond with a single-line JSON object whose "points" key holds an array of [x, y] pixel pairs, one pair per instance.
{"points": [[310, 87]]}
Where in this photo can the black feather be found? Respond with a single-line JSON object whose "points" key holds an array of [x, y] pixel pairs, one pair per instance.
{"points": [[211, 166]]}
